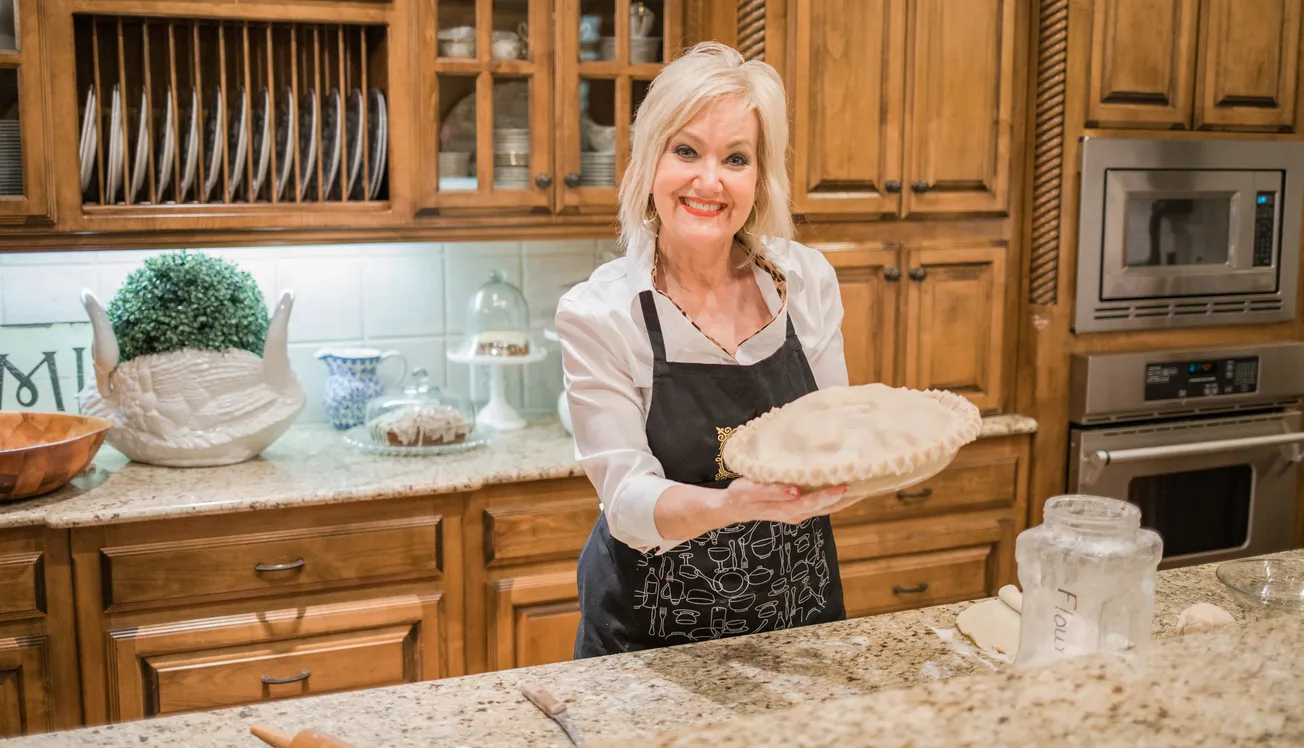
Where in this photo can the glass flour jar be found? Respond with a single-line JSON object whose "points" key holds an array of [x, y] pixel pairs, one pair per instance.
{"points": [[1088, 578]]}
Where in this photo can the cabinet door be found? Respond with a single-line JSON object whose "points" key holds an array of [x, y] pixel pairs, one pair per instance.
{"points": [[848, 95], [532, 619], [269, 655], [960, 106], [1142, 63], [870, 282], [1248, 74], [955, 315], [607, 59], [488, 121], [22, 129], [24, 708]]}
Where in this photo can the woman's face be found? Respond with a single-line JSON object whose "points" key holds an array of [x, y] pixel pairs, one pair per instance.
{"points": [[705, 183]]}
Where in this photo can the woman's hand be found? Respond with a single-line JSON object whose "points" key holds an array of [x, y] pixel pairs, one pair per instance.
{"points": [[776, 502]]}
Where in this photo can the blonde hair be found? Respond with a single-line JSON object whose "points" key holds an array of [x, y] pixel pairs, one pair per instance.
{"points": [[708, 73]]}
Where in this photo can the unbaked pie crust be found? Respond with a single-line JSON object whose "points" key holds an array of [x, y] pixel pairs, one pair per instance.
{"points": [[873, 438]]}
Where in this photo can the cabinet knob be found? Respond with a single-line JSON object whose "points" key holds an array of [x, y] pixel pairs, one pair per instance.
{"points": [[918, 274], [892, 274], [572, 180], [920, 186], [543, 181], [892, 186]]}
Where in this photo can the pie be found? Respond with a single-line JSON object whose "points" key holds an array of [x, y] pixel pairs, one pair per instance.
{"points": [[873, 438]]}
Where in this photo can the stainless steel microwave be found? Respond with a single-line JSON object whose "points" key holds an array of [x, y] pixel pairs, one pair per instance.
{"points": [[1181, 233]]}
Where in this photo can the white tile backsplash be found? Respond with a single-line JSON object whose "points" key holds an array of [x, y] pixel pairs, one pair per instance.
{"points": [[327, 298], [36, 294], [403, 296], [409, 297]]}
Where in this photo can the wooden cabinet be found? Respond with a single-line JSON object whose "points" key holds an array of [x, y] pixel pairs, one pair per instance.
{"points": [[903, 106], [955, 322], [523, 542], [1249, 64], [1204, 64], [869, 279], [1142, 62], [24, 171], [931, 316], [960, 107], [192, 614], [38, 647], [532, 619]]}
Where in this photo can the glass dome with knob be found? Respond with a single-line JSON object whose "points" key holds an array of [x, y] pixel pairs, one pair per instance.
{"points": [[497, 335], [421, 420]]}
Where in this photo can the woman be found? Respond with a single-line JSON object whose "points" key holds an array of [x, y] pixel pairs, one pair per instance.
{"points": [[712, 317]]}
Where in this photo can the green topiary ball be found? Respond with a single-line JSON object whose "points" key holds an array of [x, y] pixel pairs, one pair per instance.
{"points": [[188, 300]]}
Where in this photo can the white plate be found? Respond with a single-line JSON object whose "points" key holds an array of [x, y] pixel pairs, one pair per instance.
{"points": [[286, 129], [167, 152], [90, 135], [379, 140], [262, 142], [310, 110], [332, 141], [237, 139], [359, 437], [191, 159], [213, 144], [357, 142], [114, 180], [140, 159]]}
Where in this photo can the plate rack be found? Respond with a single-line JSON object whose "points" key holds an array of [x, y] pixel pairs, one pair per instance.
{"points": [[178, 111]]}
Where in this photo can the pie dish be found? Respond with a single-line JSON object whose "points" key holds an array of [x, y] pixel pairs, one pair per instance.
{"points": [[874, 438]]}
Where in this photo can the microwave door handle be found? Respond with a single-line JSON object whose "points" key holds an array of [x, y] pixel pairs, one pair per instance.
{"points": [[1098, 460]]}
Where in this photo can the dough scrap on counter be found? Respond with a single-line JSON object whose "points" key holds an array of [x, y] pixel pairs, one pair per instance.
{"points": [[1202, 617], [992, 625]]}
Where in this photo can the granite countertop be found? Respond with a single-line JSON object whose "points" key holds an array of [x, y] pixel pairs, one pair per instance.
{"points": [[626, 699], [310, 465]]}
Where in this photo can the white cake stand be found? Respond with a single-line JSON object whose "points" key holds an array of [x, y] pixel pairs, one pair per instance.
{"points": [[498, 413]]}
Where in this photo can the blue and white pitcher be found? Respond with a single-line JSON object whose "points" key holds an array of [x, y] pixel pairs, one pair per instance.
{"points": [[352, 379]]}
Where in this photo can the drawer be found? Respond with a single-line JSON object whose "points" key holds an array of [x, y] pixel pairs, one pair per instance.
{"points": [[22, 585], [240, 565], [519, 534], [204, 680], [964, 486], [918, 580]]}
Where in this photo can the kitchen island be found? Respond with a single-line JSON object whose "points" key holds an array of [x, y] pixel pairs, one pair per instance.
{"points": [[888, 669]]}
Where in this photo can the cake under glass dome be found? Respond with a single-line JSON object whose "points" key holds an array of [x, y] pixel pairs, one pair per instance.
{"points": [[497, 321]]}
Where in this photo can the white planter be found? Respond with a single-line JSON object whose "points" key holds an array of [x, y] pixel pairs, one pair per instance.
{"points": [[193, 408]]}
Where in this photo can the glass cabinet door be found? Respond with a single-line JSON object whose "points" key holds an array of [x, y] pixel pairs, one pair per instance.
{"points": [[613, 50], [487, 79], [22, 137]]}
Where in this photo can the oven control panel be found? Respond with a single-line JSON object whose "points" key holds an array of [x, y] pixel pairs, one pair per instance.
{"points": [[1173, 380], [1265, 221]]}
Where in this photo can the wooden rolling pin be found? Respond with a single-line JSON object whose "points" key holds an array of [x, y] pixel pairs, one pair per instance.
{"points": [[305, 739]]}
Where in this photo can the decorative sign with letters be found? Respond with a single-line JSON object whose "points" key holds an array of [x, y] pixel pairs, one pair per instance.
{"points": [[43, 367]]}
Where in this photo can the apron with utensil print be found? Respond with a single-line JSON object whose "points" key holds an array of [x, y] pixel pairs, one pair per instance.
{"points": [[743, 579]]}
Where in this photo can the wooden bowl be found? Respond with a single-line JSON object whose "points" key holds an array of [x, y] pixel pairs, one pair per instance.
{"points": [[40, 452]]}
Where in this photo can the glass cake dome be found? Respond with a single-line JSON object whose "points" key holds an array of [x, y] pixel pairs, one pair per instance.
{"points": [[497, 320], [420, 416]]}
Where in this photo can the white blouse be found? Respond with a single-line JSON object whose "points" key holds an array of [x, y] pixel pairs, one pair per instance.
{"points": [[607, 368]]}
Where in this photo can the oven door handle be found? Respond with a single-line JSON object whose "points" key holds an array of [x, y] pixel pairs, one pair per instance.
{"points": [[1098, 460]]}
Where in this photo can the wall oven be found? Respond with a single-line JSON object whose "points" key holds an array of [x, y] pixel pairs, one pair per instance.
{"points": [[1208, 443], [1183, 233]]}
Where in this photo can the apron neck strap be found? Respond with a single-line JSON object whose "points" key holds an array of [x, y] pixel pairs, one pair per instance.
{"points": [[653, 323]]}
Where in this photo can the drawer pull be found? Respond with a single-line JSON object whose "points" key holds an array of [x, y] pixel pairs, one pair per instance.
{"points": [[922, 493], [288, 566], [270, 681], [898, 590]]}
